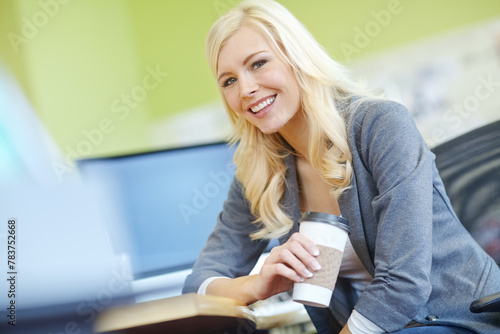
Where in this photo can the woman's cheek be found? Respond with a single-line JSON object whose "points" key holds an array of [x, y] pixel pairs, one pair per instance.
{"points": [[233, 102]]}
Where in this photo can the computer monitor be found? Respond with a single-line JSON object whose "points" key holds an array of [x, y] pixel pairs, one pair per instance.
{"points": [[169, 199]]}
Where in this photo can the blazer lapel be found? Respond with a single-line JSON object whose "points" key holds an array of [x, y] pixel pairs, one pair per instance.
{"points": [[291, 196], [349, 207]]}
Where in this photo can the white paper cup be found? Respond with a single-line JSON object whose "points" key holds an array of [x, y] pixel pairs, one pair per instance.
{"points": [[329, 233]]}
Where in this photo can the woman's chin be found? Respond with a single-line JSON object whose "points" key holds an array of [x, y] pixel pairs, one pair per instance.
{"points": [[269, 131], [270, 127]]}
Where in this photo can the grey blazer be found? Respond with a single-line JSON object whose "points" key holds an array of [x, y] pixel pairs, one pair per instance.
{"points": [[425, 266]]}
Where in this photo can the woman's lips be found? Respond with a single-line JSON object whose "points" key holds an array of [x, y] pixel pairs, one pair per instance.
{"points": [[263, 108]]}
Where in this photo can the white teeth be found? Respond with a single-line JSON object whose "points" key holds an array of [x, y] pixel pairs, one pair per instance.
{"points": [[263, 104]]}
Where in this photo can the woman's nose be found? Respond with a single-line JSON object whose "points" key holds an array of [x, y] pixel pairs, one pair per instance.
{"points": [[248, 86]]}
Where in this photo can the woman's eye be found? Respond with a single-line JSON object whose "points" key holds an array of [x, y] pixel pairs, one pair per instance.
{"points": [[228, 82], [258, 64]]}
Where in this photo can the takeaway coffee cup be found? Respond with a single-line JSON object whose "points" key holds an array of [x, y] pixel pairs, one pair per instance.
{"points": [[329, 233]]}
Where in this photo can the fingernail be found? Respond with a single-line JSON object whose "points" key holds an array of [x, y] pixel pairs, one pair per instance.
{"points": [[315, 251], [308, 273], [300, 278], [316, 265]]}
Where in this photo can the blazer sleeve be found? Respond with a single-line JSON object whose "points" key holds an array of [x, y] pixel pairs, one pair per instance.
{"points": [[229, 250], [395, 154]]}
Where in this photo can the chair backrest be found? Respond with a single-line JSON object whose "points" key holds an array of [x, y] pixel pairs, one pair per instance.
{"points": [[470, 168]]}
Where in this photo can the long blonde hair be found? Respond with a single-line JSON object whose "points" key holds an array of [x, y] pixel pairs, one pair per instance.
{"points": [[325, 94]]}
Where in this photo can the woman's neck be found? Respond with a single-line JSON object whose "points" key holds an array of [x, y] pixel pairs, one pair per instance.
{"points": [[296, 134]]}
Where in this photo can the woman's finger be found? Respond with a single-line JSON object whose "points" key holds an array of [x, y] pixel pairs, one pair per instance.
{"points": [[291, 259], [282, 270], [304, 256], [293, 253], [305, 242]]}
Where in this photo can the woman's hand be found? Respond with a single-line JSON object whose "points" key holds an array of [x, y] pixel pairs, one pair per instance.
{"points": [[345, 330], [287, 264]]}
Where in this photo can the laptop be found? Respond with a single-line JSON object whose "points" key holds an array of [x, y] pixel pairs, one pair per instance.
{"points": [[170, 200], [62, 258]]}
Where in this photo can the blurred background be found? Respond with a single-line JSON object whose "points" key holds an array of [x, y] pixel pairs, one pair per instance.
{"points": [[84, 79], [120, 76]]}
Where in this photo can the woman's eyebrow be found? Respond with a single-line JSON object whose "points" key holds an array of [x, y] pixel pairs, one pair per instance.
{"points": [[245, 61]]}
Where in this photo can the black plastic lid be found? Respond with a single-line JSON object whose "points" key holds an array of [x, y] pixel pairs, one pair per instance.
{"points": [[326, 218]]}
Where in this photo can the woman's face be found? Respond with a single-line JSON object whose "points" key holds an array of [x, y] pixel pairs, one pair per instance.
{"points": [[256, 81]]}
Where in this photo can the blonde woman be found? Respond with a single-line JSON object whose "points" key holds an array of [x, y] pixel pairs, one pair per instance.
{"points": [[309, 139]]}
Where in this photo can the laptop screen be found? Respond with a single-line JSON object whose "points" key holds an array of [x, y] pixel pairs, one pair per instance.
{"points": [[169, 200]]}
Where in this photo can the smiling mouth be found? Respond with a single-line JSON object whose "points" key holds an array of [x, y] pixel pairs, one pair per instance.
{"points": [[262, 105]]}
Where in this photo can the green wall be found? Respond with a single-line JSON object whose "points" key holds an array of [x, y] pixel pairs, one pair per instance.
{"points": [[100, 73]]}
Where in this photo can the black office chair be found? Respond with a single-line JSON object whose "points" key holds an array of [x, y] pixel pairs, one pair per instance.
{"points": [[470, 168]]}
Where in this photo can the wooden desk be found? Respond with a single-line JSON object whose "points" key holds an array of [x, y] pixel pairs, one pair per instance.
{"points": [[184, 314]]}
